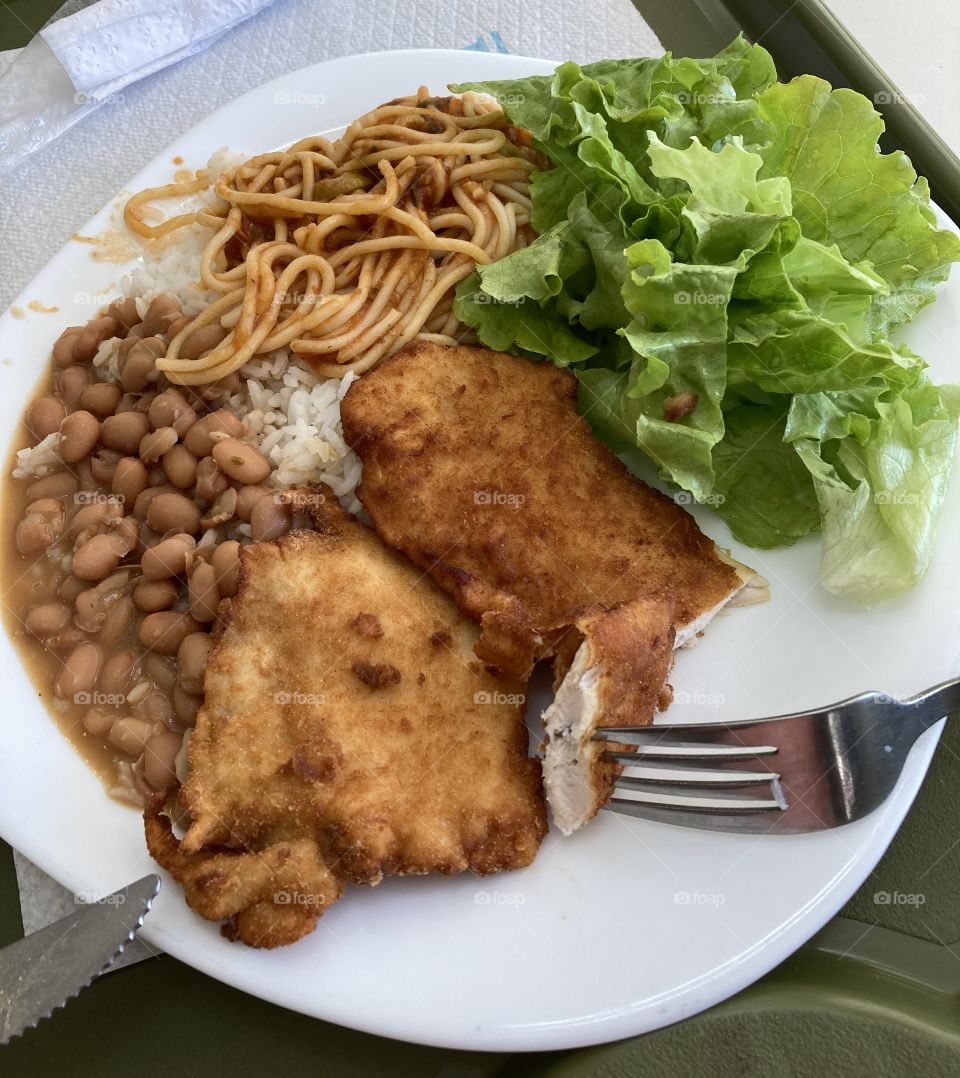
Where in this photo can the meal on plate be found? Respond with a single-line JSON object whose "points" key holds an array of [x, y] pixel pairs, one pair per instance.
{"points": [[296, 515]]}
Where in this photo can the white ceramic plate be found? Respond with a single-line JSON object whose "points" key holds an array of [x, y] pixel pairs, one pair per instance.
{"points": [[623, 928]]}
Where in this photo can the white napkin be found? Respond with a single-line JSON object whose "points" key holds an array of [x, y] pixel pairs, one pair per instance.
{"points": [[92, 51], [284, 37], [107, 46]]}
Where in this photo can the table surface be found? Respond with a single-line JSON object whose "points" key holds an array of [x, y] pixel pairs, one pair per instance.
{"points": [[912, 892]]}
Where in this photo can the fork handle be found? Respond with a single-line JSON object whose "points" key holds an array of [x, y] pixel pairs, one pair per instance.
{"points": [[931, 706]]}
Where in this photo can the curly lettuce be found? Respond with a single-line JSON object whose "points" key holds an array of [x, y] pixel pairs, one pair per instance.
{"points": [[721, 260]]}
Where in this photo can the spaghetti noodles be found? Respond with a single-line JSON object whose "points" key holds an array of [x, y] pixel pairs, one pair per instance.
{"points": [[345, 251]]}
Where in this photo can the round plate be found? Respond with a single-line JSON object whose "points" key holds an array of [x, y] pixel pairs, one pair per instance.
{"points": [[623, 928]]}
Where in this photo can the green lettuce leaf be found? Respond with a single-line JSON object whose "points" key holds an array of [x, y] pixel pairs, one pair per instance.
{"points": [[721, 259]]}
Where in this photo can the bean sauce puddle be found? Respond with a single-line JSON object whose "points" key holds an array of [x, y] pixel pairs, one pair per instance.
{"points": [[124, 539]]}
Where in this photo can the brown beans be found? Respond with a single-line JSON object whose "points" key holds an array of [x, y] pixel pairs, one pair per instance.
{"points": [[211, 482], [125, 312], [174, 328], [241, 461], [40, 526], [186, 706], [78, 675], [247, 498], [202, 435], [270, 519], [145, 499], [168, 558], [202, 340], [129, 480], [171, 409], [173, 512], [98, 721], [59, 485], [192, 661], [44, 416], [163, 310], [64, 348], [226, 566], [165, 631], [124, 432], [161, 670], [71, 588], [140, 363], [119, 618], [156, 443], [96, 558], [92, 516], [180, 466], [91, 609], [153, 595], [131, 735], [155, 707], [46, 619], [70, 384], [79, 434], [160, 760], [103, 463], [93, 334], [202, 592], [101, 399], [120, 672], [222, 510]]}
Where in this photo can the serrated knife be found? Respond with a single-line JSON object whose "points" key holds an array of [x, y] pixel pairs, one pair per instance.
{"points": [[40, 973]]}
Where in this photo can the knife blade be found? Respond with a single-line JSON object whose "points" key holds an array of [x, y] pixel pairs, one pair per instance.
{"points": [[42, 972]]}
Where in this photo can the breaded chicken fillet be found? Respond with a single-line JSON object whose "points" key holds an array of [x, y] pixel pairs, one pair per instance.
{"points": [[477, 466], [611, 672], [348, 732]]}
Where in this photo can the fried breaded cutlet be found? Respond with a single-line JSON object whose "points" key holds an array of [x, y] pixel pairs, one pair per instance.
{"points": [[348, 732], [611, 671], [477, 466]]}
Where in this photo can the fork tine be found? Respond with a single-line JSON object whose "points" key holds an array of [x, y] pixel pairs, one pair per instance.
{"points": [[712, 753], [677, 803], [682, 775], [760, 821]]}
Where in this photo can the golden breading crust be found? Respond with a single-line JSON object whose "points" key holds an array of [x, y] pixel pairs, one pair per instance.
{"points": [[611, 672], [348, 732], [477, 466]]}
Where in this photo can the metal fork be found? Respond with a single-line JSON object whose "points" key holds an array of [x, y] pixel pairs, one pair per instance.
{"points": [[808, 771]]}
